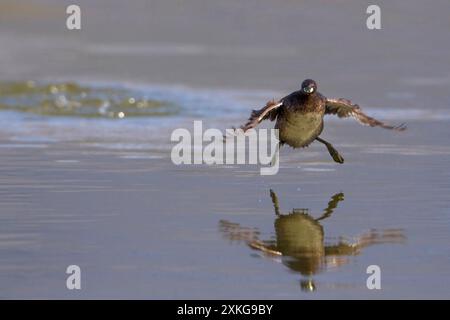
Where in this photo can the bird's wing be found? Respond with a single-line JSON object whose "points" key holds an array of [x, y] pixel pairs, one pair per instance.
{"points": [[269, 111], [344, 108]]}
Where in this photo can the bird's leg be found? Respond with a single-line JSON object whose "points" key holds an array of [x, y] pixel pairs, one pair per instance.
{"points": [[333, 152], [331, 206], [276, 206], [276, 156]]}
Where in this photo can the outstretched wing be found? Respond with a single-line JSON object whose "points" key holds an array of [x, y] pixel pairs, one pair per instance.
{"points": [[269, 111], [344, 108]]}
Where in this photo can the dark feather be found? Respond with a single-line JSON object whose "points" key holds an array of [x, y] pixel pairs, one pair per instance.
{"points": [[270, 111], [344, 108]]}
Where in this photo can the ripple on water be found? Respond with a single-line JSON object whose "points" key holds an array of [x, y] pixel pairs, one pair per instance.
{"points": [[74, 100]]}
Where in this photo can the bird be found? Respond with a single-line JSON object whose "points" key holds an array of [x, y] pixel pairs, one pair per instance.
{"points": [[301, 240], [299, 117]]}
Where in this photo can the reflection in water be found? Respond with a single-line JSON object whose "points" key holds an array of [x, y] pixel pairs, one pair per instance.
{"points": [[300, 244]]}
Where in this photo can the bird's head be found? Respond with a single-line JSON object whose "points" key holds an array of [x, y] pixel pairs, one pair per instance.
{"points": [[309, 86]]}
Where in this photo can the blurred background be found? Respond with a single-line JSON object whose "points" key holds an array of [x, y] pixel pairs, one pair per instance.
{"points": [[85, 123]]}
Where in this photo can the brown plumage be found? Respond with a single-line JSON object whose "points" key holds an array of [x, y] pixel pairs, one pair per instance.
{"points": [[344, 108], [299, 117]]}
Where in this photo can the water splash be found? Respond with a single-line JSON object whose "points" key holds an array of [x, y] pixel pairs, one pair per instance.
{"points": [[74, 100]]}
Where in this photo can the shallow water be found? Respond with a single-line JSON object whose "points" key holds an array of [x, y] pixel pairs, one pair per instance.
{"points": [[86, 176], [141, 227], [72, 100]]}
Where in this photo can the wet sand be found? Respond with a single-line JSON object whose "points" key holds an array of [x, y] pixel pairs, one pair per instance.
{"points": [[105, 195]]}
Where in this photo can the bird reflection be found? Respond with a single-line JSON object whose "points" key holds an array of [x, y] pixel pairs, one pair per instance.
{"points": [[299, 241]]}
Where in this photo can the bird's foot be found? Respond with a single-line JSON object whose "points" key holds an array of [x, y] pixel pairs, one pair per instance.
{"points": [[338, 158], [335, 155]]}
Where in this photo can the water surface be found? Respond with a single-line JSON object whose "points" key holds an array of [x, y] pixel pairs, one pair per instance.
{"points": [[86, 176]]}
